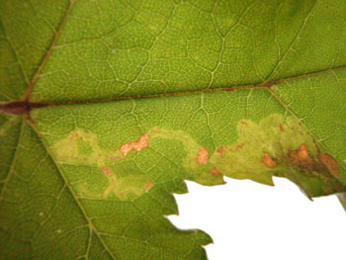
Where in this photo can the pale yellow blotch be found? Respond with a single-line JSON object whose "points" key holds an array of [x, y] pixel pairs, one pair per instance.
{"points": [[79, 148], [121, 188], [196, 159], [82, 148], [190, 145], [127, 188]]}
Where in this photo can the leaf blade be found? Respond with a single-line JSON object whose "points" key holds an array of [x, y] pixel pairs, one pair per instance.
{"points": [[150, 95]]}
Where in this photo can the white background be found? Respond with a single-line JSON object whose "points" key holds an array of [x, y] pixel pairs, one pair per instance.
{"points": [[250, 221]]}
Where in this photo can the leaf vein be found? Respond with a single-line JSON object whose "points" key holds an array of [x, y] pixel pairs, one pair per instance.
{"points": [[78, 203], [49, 51]]}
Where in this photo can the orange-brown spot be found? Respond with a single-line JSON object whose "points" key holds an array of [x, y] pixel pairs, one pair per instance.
{"points": [[243, 123], [149, 186], [281, 128], [74, 136], [107, 171], [324, 164], [268, 160], [303, 152], [143, 142], [331, 164], [239, 146], [115, 159], [215, 172], [301, 158], [221, 151], [203, 156]]}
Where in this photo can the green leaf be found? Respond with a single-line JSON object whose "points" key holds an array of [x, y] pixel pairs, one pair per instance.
{"points": [[108, 106]]}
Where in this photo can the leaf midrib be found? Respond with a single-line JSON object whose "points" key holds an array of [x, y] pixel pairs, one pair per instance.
{"points": [[49, 51], [264, 85]]}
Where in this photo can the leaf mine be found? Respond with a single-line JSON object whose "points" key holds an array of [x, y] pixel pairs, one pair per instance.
{"points": [[275, 146], [278, 146]]}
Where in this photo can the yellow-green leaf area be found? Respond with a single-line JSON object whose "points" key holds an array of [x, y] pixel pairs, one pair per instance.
{"points": [[278, 146]]}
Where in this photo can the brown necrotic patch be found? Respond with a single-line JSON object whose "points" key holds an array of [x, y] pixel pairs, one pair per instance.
{"points": [[143, 142], [301, 158], [203, 156], [268, 160], [114, 159], [282, 129], [107, 171], [323, 164], [221, 151], [149, 186], [215, 172], [331, 164]]}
